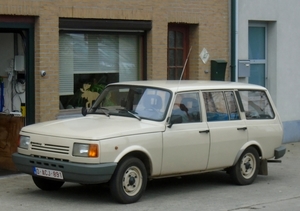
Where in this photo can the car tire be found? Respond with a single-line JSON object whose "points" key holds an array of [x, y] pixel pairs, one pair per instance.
{"points": [[129, 181], [47, 184], [245, 171]]}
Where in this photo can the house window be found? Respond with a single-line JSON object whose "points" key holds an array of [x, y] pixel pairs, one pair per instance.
{"points": [[177, 51], [96, 52], [89, 61]]}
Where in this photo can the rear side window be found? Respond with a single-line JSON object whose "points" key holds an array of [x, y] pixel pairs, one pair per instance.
{"points": [[221, 106], [256, 105]]}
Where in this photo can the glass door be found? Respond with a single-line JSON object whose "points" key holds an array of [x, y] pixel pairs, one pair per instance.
{"points": [[257, 55]]}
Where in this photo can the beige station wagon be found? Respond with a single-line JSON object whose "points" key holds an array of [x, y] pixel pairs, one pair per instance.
{"points": [[137, 131]]}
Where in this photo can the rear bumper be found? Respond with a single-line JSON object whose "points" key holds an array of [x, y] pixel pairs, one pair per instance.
{"points": [[279, 151], [72, 172]]}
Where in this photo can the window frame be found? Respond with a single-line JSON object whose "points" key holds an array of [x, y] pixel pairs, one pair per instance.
{"points": [[226, 103], [119, 27], [184, 29], [268, 103], [196, 93], [256, 24], [118, 36]]}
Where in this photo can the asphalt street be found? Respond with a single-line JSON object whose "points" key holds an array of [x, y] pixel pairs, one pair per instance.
{"points": [[278, 191]]}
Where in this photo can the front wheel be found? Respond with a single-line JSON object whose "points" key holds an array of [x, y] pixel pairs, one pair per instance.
{"points": [[47, 184], [245, 171], [129, 181]]}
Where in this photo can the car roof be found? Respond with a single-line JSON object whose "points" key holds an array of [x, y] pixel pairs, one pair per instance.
{"points": [[186, 85]]}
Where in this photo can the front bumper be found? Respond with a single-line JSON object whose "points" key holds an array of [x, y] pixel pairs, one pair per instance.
{"points": [[279, 151], [72, 172]]}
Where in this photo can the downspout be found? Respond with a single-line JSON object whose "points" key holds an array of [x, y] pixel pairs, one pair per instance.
{"points": [[234, 39]]}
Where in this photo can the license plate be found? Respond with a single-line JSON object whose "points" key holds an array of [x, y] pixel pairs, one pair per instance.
{"points": [[48, 173]]}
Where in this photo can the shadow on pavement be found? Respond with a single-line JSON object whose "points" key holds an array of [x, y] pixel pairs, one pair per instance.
{"points": [[5, 172]]}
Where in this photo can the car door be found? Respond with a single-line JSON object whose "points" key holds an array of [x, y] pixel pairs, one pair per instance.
{"points": [[228, 132], [186, 142]]}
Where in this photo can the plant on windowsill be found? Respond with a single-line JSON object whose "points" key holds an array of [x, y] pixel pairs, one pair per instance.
{"points": [[97, 88]]}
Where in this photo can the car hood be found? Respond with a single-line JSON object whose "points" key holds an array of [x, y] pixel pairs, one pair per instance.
{"points": [[94, 127]]}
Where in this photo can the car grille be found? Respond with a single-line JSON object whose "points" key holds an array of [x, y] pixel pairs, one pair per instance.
{"points": [[50, 148], [47, 162]]}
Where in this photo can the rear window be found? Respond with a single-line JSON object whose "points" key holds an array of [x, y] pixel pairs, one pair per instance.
{"points": [[256, 105], [221, 106]]}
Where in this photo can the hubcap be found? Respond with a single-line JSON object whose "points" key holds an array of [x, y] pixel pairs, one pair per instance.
{"points": [[132, 181], [248, 165]]}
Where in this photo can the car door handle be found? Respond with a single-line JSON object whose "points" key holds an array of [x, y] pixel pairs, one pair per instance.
{"points": [[204, 131], [242, 128]]}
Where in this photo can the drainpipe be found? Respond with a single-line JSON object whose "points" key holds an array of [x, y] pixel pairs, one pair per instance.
{"points": [[234, 39]]}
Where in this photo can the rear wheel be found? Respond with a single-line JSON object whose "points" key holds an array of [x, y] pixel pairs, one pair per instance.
{"points": [[129, 181], [47, 184], [244, 172]]}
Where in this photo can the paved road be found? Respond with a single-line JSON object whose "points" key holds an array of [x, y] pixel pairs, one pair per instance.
{"points": [[207, 192]]}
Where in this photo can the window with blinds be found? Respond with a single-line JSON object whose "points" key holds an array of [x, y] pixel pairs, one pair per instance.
{"points": [[91, 53]]}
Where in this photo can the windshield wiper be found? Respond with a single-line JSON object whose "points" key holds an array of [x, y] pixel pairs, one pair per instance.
{"points": [[105, 111], [131, 113], [135, 115]]}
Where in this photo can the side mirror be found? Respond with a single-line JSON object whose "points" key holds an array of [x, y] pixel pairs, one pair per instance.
{"points": [[175, 119], [83, 111]]}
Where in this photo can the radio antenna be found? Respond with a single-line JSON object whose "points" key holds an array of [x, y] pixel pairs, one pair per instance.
{"points": [[187, 58]]}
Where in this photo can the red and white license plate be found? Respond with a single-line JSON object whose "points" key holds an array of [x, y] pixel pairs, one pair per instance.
{"points": [[48, 173]]}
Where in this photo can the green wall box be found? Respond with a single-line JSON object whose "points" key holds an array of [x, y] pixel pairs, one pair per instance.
{"points": [[218, 68]]}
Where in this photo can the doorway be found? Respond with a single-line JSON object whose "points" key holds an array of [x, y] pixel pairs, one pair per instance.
{"points": [[257, 54], [17, 66]]}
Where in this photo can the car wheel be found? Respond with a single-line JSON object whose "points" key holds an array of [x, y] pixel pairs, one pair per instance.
{"points": [[47, 184], [245, 170], [129, 181]]}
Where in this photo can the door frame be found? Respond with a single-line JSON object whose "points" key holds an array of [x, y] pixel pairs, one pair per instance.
{"points": [[260, 61], [16, 25], [184, 29]]}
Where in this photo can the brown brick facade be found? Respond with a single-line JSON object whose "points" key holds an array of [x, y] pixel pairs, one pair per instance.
{"points": [[209, 29]]}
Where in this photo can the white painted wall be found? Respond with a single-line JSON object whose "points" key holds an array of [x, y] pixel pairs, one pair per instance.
{"points": [[283, 19]]}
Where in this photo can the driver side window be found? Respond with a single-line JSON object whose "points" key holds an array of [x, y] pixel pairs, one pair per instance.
{"points": [[186, 108]]}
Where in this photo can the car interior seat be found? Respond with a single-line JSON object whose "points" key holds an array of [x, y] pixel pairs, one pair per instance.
{"points": [[193, 107], [152, 102]]}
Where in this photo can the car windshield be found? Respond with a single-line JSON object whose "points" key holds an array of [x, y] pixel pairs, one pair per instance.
{"points": [[133, 101]]}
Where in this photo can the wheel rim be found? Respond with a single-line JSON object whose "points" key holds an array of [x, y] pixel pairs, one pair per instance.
{"points": [[248, 165], [132, 181]]}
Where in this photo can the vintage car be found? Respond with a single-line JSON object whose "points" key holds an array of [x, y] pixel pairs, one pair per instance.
{"points": [[142, 130]]}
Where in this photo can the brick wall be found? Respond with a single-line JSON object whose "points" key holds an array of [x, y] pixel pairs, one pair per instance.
{"points": [[209, 29]]}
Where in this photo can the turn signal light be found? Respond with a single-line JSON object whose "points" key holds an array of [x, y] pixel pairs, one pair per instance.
{"points": [[85, 150], [93, 150]]}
